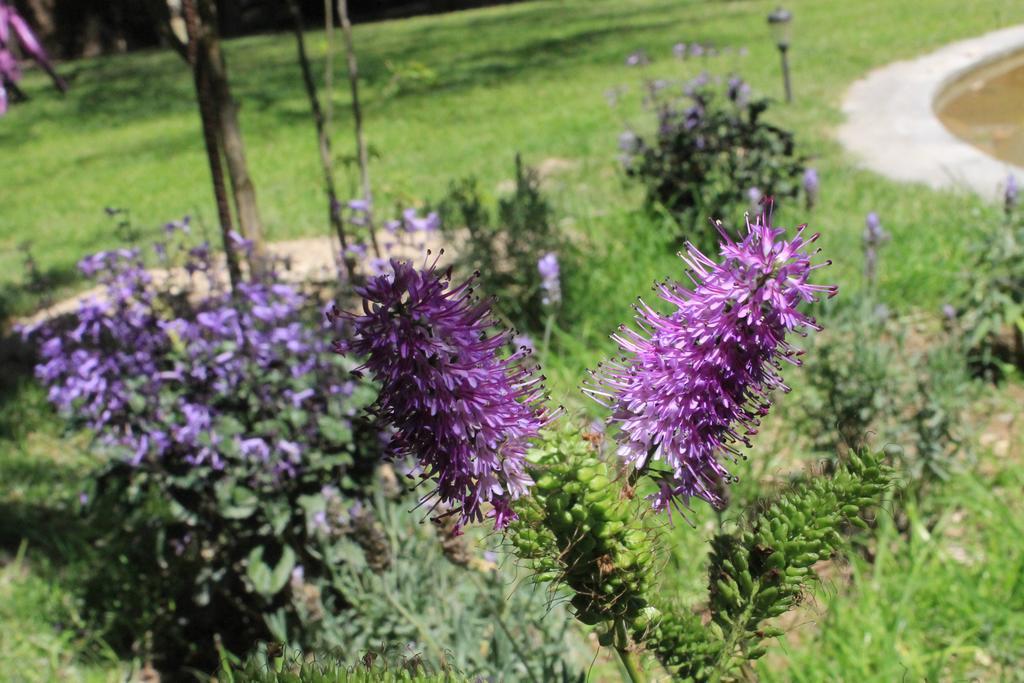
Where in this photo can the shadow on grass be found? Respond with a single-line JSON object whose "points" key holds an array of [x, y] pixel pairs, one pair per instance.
{"points": [[265, 74]]}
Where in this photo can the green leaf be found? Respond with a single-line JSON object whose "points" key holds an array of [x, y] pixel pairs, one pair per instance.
{"points": [[266, 580], [235, 502], [334, 430]]}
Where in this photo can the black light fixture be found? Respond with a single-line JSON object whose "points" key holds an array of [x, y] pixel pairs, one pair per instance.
{"points": [[780, 22]]}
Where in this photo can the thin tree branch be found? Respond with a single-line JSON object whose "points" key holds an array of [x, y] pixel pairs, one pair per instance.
{"points": [[357, 113], [323, 137], [208, 116]]}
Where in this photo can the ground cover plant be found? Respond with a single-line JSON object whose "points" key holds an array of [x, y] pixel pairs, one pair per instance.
{"points": [[922, 597]]}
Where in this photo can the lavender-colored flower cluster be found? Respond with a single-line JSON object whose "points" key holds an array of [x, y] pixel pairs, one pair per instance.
{"points": [[811, 186], [711, 152], [409, 233], [696, 49], [12, 25], [696, 382], [458, 408], [550, 279], [873, 238], [204, 383], [1010, 194]]}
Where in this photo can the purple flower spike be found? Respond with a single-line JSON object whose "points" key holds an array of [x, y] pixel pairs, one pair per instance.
{"points": [[1010, 194], [811, 186], [874, 237], [695, 383], [550, 282], [738, 91], [679, 50], [463, 412]]}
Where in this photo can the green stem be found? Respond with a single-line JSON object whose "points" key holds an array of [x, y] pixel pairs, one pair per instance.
{"points": [[628, 658], [504, 627], [548, 324], [738, 630]]}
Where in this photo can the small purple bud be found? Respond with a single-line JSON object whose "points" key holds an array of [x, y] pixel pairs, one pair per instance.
{"points": [[638, 58]]}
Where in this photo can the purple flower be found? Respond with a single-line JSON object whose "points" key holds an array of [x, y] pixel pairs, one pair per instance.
{"points": [[523, 341], [679, 50], [873, 238], [696, 382], [949, 311], [465, 414], [629, 146], [811, 185], [1010, 194], [157, 381], [696, 50], [696, 83], [738, 91], [638, 58], [12, 24], [413, 223], [550, 282], [754, 196]]}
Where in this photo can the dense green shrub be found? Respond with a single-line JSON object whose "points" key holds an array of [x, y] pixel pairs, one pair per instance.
{"points": [[710, 155], [990, 310], [507, 246]]}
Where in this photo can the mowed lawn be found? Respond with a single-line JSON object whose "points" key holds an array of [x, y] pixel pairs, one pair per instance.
{"points": [[529, 77], [943, 602]]}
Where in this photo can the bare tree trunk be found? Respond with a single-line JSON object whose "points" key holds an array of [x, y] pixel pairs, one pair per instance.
{"points": [[208, 115], [357, 114], [232, 144], [328, 62], [323, 138]]}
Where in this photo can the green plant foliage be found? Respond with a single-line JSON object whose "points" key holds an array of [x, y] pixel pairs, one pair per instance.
{"points": [[862, 384], [991, 307], [505, 247], [435, 601], [584, 531], [759, 570], [849, 379], [266, 668]]}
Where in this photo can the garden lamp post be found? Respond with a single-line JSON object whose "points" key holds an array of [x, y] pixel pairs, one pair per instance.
{"points": [[779, 21]]}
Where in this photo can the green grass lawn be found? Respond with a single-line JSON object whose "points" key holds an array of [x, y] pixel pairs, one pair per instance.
{"points": [[531, 78]]}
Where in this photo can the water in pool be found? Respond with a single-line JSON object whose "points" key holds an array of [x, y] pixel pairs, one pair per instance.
{"points": [[986, 108]]}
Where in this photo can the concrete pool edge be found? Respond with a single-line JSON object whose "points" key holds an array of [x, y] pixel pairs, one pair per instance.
{"points": [[892, 128]]}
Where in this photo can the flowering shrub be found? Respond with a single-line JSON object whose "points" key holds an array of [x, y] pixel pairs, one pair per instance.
{"points": [[507, 248], [229, 425], [710, 149]]}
